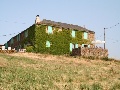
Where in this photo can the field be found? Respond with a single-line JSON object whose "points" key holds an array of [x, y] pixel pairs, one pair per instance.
{"points": [[29, 71]]}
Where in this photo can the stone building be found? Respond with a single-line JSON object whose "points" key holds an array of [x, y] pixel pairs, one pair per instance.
{"points": [[27, 37]]}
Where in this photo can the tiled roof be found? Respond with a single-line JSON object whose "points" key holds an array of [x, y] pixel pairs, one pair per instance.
{"points": [[64, 25]]}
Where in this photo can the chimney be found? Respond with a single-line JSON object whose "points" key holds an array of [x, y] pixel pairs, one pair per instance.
{"points": [[37, 21]]}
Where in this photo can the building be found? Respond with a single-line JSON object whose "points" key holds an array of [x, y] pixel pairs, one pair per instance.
{"points": [[48, 36]]}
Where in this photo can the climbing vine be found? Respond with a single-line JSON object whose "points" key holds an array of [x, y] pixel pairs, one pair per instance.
{"points": [[35, 39], [30, 39], [59, 40]]}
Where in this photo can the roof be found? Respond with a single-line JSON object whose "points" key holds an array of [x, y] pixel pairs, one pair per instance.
{"points": [[64, 25]]}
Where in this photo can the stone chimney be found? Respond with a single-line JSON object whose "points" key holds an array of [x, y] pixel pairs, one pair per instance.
{"points": [[37, 20]]}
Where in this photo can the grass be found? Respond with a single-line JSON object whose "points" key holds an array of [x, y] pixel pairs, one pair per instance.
{"points": [[28, 71]]}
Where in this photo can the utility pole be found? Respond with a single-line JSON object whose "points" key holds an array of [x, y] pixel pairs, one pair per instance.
{"points": [[104, 37]]}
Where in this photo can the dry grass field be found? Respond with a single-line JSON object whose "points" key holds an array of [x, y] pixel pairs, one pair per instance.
{"points": [[30, 71]]}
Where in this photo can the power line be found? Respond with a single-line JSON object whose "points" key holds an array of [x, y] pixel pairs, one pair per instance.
{"points": [[109, 28], [112, 26]]}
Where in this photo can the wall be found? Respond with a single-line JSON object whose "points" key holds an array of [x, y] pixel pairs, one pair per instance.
{"points": [[86, 52], [21, 39], [59, 39]]}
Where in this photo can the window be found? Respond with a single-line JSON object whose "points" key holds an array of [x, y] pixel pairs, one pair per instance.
{"points": [[72, 46], [50, 30], [85, 45], [85, 35], [47, 44], [73, 33]]}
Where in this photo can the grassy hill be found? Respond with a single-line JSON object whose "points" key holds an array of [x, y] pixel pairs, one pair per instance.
{"points": [[28, 71]]}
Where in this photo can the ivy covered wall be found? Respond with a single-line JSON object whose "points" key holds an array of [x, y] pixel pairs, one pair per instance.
{"points": [[59, 40], [48, 39], [29, 37]]}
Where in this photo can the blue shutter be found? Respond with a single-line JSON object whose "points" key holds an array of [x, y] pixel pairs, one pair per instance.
{"points": [[73, 33], [76, 45], [47, 44], [71, 47], [85, 35], [50, 30]]}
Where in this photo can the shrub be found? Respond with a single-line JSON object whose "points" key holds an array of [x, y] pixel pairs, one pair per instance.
{"points": [[29, 49], [107, 59]]}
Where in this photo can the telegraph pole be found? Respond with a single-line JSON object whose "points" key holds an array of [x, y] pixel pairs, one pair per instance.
{"points": [[104, 32], [104, 37]]}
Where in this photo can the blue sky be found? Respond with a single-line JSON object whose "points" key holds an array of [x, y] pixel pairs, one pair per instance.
{"points": [[16, 16]]}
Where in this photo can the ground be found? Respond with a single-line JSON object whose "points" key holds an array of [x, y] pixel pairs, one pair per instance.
{"points": [[30, 71]]}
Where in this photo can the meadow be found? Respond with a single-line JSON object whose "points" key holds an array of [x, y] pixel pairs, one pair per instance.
{"points": [[30, 71]]}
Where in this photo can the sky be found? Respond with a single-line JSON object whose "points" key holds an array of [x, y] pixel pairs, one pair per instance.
{"points": [[95, 15]]}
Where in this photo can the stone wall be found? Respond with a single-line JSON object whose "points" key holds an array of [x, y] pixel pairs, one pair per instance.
{"points": [[86, 52], [91, 36]]}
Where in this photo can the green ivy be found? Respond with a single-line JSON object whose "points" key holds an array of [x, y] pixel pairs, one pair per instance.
{"points": [[30, 39], [60, 40], [40, 38]]}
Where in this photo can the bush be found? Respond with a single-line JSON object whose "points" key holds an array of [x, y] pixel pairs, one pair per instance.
{"points": [[107, 59], [29, 49]]}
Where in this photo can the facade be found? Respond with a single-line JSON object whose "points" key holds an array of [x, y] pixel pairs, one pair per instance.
{"points": [[50, 36]]}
